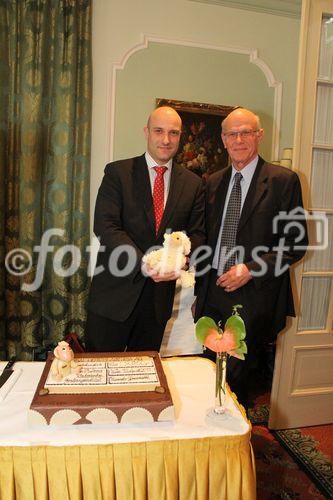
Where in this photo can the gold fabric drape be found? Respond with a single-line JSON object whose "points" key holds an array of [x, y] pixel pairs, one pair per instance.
{"points": [[214, 468], [45, 115]]}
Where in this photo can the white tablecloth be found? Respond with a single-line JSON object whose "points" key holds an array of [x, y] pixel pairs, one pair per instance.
{"points": [[191, 381]]}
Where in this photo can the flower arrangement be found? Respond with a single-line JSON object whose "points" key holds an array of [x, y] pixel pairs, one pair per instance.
{"points": [[228, 342]]}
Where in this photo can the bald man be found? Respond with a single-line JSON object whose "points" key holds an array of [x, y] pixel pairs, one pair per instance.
{"points": [[250, 255], [128, 310]]}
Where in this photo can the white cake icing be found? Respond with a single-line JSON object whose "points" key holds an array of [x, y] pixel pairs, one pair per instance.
{"points": [[118, 374]]}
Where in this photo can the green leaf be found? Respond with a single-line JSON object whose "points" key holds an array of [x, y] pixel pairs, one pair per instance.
{"points": [[236, 324], [202, 326], [242, 348]]}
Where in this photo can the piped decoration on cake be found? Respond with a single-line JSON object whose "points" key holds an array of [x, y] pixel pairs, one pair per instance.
{"points": [[167, 414], [102, 416], [136, 415], [65, 417], [36, 418]]}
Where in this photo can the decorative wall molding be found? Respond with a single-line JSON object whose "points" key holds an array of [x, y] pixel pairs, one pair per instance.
{"points": [[288, 8], [253, 58]]}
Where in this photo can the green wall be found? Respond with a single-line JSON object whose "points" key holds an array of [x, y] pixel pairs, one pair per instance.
{"points": [[189, 74], [181, 71]]}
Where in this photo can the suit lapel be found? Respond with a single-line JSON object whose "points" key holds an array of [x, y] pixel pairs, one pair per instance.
{"points": [[218, 205], [142, 183], [256, 191]]}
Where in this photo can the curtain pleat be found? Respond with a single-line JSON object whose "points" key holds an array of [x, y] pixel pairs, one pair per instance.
{"points": [[213, 468], [186, 466], [171, 461], [202, 467], [39, 473], [139, 470], [107, 474]]}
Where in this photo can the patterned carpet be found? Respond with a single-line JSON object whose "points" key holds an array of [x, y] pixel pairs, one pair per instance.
{"points": [[294, 463]]}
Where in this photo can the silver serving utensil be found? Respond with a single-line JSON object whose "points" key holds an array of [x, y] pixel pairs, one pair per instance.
{"points": [[7, 371]]}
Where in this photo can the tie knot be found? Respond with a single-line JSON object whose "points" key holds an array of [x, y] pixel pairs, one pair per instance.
{"points": [[238, 177], [160, 170]]}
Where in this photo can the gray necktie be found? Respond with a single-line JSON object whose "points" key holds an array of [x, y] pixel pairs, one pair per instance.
{"points": [[229, 231]]}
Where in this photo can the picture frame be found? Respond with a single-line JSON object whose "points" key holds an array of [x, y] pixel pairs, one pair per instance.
{"points": [[200, 149]]}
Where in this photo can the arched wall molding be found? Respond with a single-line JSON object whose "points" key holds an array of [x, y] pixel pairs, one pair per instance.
{"points": [[146, 39]]}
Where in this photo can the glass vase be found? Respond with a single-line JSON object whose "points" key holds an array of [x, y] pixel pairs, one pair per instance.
{"points": [[219, 412], [220, 383]]}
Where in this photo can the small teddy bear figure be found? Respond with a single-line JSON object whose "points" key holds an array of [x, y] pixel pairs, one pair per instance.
{"points": [[63, 363], [172, 257]]}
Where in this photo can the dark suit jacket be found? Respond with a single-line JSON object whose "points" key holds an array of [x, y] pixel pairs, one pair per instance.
{"points": [[273, 190], [124, 215]]}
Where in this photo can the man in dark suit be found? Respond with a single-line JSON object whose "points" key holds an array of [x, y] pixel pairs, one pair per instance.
{"points": [[255, 235], [138, 201]]}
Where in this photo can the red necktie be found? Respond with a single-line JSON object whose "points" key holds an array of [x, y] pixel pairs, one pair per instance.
{"points": [[158, 195]]}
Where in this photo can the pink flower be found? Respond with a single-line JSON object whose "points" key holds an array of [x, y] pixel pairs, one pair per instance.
{"points": [[221, 342]]}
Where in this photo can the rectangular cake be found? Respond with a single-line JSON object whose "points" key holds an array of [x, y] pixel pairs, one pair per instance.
{"points": [[109, 388]]}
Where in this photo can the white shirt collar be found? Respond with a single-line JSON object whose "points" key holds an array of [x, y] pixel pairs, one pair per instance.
{"points": [[152, 163], [248, 171]]}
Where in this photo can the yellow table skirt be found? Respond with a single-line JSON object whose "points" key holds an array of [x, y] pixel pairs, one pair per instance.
{"points": [[188, 469]]}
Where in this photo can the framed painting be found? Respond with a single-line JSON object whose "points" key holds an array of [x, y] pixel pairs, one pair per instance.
{"points": [[200, 149]]}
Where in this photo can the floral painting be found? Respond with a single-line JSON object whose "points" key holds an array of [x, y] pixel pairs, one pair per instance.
{"points": [[201, 149]]}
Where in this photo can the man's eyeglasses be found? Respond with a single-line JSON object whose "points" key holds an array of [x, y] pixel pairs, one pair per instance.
{"points": [[243, 134]]}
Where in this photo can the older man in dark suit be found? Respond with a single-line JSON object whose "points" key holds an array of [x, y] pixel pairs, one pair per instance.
{"points": [[255, 234], [139, 199]]}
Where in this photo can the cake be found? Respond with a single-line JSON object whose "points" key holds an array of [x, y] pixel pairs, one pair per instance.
{"points": [[127, 387]]}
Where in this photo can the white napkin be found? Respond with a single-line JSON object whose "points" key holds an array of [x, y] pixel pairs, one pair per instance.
{"points": [[8, 385]]}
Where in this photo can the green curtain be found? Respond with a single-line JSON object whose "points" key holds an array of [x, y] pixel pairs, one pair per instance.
{"points": [[45, 129]]}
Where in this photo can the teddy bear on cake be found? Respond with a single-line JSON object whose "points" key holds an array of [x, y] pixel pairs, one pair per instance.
{"points": [[172, 257], [63, 363]]}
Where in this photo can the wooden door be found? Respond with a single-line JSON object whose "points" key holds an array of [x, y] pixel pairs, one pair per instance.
{"points": [[302, 392]]}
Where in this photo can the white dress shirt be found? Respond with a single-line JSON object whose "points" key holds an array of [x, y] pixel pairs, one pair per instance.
{"points": [[247, 173], [152, 174]]}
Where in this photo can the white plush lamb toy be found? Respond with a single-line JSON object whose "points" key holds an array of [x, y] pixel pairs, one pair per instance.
{"points": [[172, 257]]}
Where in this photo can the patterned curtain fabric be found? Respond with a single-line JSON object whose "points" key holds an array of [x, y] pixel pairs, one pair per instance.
{"points": [[45, 116]]}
